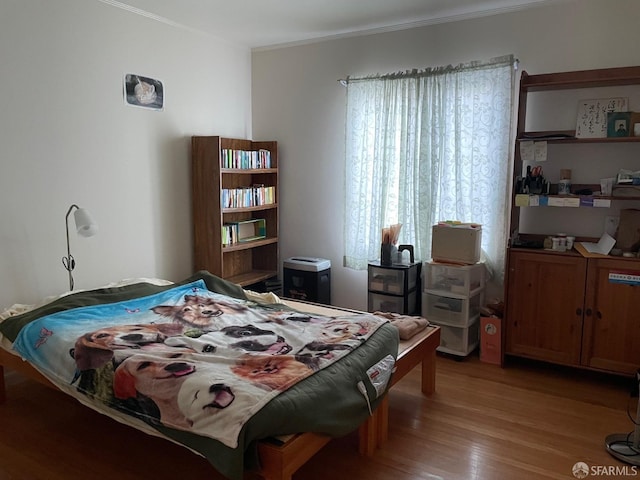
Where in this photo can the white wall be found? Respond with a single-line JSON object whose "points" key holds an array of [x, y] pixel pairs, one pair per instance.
{"points": [[297, 100], [66, 137]]}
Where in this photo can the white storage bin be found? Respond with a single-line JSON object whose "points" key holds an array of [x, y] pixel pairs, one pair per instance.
{"points": [[459, 340], [392, 303], [454, 310], [457, 279]]}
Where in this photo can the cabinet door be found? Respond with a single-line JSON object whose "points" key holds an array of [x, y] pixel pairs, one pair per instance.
{"points": [[544, 311], [612, 316]]}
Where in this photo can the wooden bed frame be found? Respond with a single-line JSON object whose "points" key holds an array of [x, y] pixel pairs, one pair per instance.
{"points": [[280, 461]]}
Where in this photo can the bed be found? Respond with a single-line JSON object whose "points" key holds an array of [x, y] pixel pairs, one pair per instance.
{"points": [[345, 359]]}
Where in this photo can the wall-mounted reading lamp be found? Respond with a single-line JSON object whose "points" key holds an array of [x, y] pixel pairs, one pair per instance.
{"points": [[86, 227]]}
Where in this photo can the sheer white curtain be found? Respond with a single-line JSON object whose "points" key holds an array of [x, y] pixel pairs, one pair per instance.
{"points": [[427, 146]]}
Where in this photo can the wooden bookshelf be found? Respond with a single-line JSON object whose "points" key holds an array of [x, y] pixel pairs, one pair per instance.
{"points": [[244, 263]]}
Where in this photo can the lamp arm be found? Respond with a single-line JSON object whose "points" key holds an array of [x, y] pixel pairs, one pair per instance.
{"points": [[68, 261]]}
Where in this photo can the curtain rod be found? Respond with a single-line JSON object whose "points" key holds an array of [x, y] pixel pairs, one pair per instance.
{"points": [[434, 70]]}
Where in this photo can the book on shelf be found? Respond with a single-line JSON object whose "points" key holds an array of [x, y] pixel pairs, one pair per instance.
{"points": [[243, 159], [243, 197], [244, 231]]}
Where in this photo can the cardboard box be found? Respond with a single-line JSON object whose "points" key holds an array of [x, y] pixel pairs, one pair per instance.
{"points": [[458, 243], [491, 340]]}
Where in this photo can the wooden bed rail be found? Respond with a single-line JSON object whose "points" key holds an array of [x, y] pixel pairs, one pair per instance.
{"points": [[279, 462]]}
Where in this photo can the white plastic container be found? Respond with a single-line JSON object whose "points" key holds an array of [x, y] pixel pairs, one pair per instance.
{"points": [[460, 340], [457, 279], [453, 310]]}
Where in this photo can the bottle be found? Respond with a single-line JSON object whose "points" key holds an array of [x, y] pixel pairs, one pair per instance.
{"points": [[562, 242]]}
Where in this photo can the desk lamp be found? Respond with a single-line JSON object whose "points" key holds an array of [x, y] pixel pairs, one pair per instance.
{"points": [[86, 227]]}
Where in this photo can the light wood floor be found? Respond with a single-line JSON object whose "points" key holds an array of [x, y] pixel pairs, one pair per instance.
{"points": [[524, 421]]}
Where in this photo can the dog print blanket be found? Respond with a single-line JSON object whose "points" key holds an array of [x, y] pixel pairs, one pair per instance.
{"points": [[188, 358]]}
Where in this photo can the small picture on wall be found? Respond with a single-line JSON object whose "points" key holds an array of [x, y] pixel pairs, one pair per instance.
{"points": [[143, 92], [618, 124]]}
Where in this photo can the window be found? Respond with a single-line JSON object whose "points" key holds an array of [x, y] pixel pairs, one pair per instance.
{"points": [[427, 146]]}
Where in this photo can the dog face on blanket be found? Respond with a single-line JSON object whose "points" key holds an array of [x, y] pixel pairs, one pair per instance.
{"points": [[254, 339], [94, 349], [249, 339], [321, 350], [284, 316], [197, 311], [341, 330], [275, 372], [198, 401], [161, 380]]}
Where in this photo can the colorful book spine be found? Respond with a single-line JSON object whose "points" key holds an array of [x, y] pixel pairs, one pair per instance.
{"points": [[253, 196], [245, 160]]}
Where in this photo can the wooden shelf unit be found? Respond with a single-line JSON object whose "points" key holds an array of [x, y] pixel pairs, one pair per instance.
{"points": [[551, 137], [607, 77], [244, 263], [560, 306], [604, 77]]}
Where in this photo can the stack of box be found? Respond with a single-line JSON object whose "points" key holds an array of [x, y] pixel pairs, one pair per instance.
{"points": [[453, 286], [451, 298]]}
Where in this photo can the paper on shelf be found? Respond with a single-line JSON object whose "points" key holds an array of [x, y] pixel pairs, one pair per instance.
{"points": [[540, 151], [526, 151], [592, 115], [603, 247], [601, 202]]}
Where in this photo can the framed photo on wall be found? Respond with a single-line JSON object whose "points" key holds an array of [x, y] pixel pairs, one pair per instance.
{"points": [[618, 124], [143, 92]]}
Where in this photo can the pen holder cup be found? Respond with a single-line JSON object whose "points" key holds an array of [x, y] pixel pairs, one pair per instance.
{"points": [[388, 253]]}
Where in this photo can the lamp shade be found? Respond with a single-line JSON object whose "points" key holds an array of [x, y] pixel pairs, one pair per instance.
{"points": [[85, 225]]}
